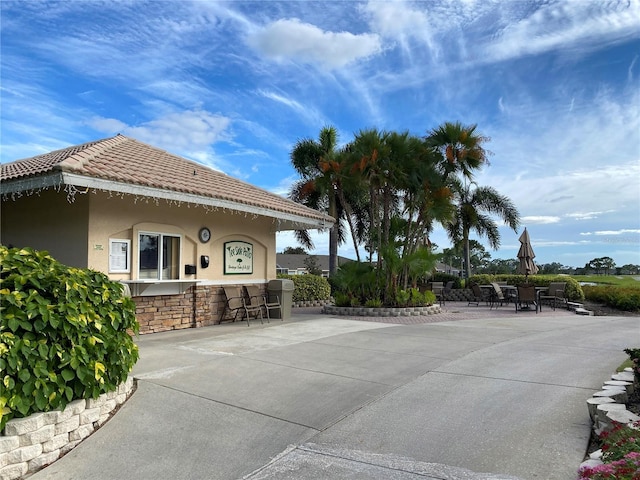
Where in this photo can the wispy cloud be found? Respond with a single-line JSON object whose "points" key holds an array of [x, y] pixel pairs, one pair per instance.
{"points": [[587, 215], [561, 25], [613, 232]]}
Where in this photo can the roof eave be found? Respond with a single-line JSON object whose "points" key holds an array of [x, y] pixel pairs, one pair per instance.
{"points": [[285, 220]]}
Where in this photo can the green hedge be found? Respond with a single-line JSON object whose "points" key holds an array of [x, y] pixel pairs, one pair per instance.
{"points": [[308, 288], [573, 289], [65, 333], [622, 298]]}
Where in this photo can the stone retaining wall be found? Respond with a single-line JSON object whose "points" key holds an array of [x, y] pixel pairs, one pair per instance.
{"points": [[608, 407], [381, 312], [31, 443]]}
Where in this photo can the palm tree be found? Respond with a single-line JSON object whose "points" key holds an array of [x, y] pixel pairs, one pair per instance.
{"points": [[318, 163], [474, 211], [461, 146]]}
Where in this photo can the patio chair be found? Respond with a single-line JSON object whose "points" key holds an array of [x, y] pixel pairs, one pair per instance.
{"points": [[479, 295], [526, 298], [447, 290], [554, 295], [266, 303], [236, 303], [437, 288], [496, 296]]}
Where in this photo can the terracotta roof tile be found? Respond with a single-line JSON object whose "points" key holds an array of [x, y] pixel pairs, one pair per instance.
{"points": [[126, 160]]}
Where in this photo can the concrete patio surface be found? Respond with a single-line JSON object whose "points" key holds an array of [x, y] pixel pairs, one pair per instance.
{"points": [[470, 393]]}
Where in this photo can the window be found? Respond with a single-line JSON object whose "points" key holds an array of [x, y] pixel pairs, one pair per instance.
{"points": [[119, 260], [159, 256]]}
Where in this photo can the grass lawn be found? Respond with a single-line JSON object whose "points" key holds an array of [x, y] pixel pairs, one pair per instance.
{"points": [[614, 280]]}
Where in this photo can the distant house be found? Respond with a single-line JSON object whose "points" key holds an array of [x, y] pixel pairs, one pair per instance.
{"points": [[294, 264], [173, 230], [444, 268]]}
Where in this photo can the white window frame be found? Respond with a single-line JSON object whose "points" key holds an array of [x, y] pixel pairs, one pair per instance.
{"points": [[160, 254], [112, 255]]}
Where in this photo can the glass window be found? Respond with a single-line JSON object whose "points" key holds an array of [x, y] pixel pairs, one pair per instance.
{"points": [[159, 257]]}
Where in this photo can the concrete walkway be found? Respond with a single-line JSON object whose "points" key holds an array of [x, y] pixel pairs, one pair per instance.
{"points": [[323, 397]]}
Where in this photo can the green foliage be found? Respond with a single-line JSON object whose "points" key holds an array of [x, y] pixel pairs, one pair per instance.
{"points": [[634, 357], [309, 287], [412, 297], [373, 303], [342, 300], [294, 251], [402, 297], [356, 280], [429, 297], [573, 289], [64, 333], [622, 298], [313, 268]]}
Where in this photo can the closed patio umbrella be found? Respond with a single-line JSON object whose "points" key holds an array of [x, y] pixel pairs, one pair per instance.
{"points": [[526, 256]]}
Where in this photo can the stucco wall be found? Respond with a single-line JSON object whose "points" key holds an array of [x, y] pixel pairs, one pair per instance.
{"points": [[47, 221], [122, 218]]}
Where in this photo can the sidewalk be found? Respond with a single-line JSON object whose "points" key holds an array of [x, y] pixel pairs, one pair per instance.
{"points": [[319, 397]]}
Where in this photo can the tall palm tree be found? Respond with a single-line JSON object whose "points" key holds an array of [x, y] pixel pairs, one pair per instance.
{"points": [[474, 211], [461, 146], [318, 163]]}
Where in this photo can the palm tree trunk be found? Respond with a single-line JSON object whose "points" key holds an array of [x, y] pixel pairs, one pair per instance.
{"points": [[347, 209], [333, 235], [466, 253]]}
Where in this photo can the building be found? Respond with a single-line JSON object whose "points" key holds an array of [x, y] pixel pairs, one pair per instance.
{"points": [[173, 230]]}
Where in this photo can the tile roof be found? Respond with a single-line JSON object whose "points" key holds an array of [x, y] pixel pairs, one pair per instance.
{"points": [[125, 160]]}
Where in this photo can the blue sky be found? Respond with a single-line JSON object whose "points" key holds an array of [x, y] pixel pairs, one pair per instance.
{"points": [[554, 84]]}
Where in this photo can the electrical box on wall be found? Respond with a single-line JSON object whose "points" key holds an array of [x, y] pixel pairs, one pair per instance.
{"points": [[189, 269]]}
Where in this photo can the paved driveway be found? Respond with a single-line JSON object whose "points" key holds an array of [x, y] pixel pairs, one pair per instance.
{"points": [[329, 398]]}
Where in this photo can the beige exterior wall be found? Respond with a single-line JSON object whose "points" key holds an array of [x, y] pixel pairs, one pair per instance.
{"points": [[115, 217], [79, 234], [48, 221]]}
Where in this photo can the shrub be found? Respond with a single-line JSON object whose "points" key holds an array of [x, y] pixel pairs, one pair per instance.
{"points": [[342, 300], [373, 303], [634, 356], [403, 297], [356, 280], [622, 298], [64, 333], [429, 297], [308, 287]]}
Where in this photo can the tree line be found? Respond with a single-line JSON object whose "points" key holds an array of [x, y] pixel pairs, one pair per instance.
{"points": [[483, 263]]}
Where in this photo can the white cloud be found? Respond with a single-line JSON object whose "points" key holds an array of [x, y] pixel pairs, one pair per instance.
{"points": [[613, 232], [291, 39], [539, 220], [107, 125], [587, 215], [190, 133], [399, 22]]}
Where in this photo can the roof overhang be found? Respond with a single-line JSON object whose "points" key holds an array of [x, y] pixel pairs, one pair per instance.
{"points": [[285, 220]]}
